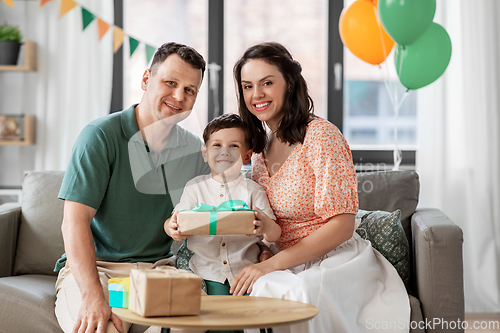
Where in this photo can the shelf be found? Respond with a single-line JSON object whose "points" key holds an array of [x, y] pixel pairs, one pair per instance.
{"points": [[29, 133], [29, 63]]}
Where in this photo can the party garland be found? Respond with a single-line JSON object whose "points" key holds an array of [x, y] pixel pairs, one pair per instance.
{"points": [[102, 26]]}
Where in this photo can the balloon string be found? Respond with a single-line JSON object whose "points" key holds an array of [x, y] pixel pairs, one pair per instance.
{"points": [[396, 105], [380, 31], [407, 92], [398, 154], [389, 90], [400, 64], [393, 97]]}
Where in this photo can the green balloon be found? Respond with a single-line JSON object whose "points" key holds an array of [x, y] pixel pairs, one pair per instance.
{"points": [[424, 61], [406, 20]]}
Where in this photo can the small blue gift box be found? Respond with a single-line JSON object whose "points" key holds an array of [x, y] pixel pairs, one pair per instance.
{"points": [[118, 292]]}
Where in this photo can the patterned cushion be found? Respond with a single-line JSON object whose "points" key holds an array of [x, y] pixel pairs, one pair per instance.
{"points": [[183, 256], [385, 232]]}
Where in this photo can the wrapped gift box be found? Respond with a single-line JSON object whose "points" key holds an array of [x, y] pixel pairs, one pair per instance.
{"points": [[223, 223], [163, 292], [118, 292]]}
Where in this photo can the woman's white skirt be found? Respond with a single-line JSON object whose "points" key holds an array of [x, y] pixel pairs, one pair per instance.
{"points": [[355, 288]]}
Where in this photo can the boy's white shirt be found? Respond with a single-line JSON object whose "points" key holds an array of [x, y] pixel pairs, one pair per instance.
{"points": [[220, 257]]}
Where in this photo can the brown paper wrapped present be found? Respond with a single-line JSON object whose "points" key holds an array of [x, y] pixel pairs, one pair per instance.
{"points": [[226, 223], [163, 292]]}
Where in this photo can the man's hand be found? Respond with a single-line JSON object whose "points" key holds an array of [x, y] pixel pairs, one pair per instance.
{"points": [[94, 312], [94, 315], [172, 228]]}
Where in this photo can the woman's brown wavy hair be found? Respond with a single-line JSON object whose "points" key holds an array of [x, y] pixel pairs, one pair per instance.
{"points": [[298, 107]]}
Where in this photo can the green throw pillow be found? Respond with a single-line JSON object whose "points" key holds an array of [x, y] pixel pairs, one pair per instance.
{"points": [[385, 232]]}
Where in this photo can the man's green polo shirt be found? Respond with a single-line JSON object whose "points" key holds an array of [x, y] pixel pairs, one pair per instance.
{"points": [[128, 224]]}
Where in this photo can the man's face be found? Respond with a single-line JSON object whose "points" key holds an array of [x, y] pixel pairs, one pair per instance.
{"points": [[172, 90], [226, 151]]}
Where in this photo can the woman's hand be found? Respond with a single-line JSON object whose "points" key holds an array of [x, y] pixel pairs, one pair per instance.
{"points": [[243, 283], [172, 228], [264, 225]]}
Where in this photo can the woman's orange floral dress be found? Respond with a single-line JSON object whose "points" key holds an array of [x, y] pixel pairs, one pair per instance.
{"points": [[315, 183], [355, 288]]}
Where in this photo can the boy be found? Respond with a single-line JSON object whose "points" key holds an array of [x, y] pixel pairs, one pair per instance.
{"points": [[218, 259]]}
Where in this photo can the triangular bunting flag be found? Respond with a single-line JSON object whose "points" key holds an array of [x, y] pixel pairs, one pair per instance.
{"points": [[9, 2], [103, 27], [150, 52], [87, 18], [43, 2], [118, 36], [66, 6], [133, 43]]}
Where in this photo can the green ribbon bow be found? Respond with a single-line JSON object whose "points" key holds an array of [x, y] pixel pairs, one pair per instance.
{"points": [[229, 205]]}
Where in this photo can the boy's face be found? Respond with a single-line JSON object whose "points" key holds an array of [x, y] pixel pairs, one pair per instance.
{"points": [[226, 151]]}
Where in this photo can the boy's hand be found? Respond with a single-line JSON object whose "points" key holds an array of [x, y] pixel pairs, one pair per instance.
{"points": [[265, 254], [264, 225], [172, 229]]}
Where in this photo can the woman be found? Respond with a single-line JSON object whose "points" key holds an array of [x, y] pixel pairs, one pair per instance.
{"points": [[305, 166]]}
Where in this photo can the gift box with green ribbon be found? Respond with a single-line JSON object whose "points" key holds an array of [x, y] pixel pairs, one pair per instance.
{"points": [[232, 217]]}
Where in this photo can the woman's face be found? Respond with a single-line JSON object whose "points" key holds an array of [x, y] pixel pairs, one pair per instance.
{"points": [[264, 89]]}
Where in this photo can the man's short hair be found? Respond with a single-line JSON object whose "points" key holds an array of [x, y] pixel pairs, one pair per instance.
{"points": [[186, 53], [228, 120]]}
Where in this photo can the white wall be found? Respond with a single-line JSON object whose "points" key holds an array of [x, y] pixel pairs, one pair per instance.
{"points": [[17, 95]]}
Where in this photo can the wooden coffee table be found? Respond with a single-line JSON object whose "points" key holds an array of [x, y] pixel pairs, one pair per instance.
{"points": [[231, 313]]}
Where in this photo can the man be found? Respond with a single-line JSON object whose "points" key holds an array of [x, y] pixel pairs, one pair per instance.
{"points": [[114, 209]]}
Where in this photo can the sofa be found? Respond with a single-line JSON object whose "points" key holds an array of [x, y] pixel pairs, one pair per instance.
{"points": [[31, 242]]}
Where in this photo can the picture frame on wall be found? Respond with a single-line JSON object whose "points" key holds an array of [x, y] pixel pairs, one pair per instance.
{"points": [[16, 129]]}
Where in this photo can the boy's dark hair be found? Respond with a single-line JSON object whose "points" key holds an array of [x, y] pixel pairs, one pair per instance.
{"points": [[298, 107], [228, 120], [186, 53]]}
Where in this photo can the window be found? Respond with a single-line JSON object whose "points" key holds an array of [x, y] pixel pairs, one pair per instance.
{"points": [[301, 26], [368, 120], [155, 22], [360, 107]]}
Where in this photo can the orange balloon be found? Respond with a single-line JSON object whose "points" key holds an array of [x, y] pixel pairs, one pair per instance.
{"points": [[363, 34]]}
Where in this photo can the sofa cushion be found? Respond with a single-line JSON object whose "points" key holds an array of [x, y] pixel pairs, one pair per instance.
{"points": [[10, 214], [385, 232], [40, 241], [416, 317], [27, 304], [389, 191]]}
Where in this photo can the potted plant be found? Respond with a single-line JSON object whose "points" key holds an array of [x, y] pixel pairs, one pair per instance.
{"points": [[10, 43]]}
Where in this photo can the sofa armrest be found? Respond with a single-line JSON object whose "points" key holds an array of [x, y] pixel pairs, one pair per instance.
{"points": [[10, 217], [437, 257]]}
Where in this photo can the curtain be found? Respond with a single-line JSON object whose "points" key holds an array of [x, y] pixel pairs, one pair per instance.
{"points": [[458, 158], [73, 78]]}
